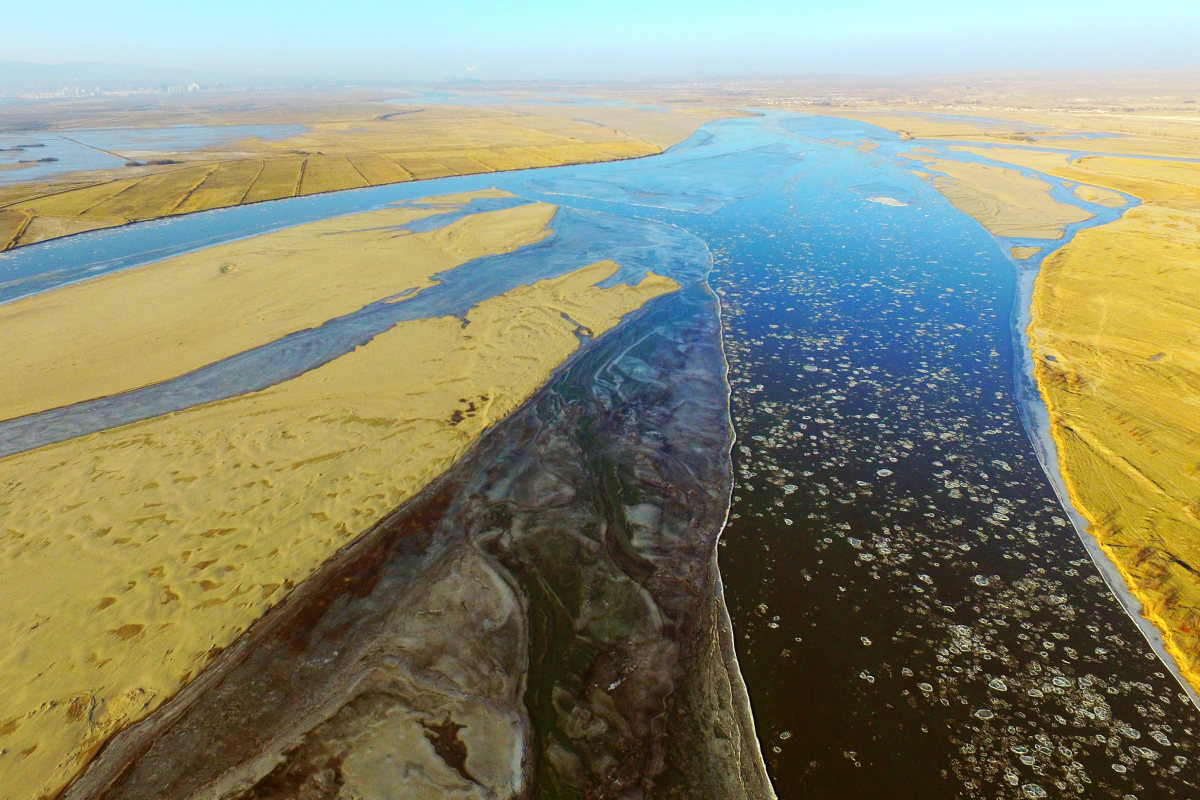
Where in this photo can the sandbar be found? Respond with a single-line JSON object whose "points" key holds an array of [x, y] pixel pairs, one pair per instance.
{"points": [[148, 324], [1003, 200], [178, 532], [1104, 197]]}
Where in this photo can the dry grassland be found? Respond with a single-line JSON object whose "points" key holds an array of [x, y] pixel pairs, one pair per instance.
{"points": [[368, 144]]}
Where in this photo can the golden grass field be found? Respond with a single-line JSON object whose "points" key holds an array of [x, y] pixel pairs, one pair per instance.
{"points": [[180, 531], [345, 146], [1116, 335]]}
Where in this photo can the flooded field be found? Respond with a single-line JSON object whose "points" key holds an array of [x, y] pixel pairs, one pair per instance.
{"points": [[915, 615]]}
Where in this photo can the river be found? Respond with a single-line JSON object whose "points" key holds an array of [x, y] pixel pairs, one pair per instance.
{"points": [[915, 614]]}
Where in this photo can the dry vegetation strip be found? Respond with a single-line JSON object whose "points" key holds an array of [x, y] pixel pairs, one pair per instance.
{"points": [[279, 177], [330, 156], [12, 225], [226, 185], [1118, 311]]}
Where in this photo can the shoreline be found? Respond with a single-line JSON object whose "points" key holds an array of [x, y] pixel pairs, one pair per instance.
{"points": [[358, 548], [370, 472], [728, 642], [1036, 410], [13, 247], [719, 658], [121, 755]]}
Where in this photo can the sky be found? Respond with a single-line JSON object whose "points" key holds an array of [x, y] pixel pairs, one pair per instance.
{"points": [[613, 40]]}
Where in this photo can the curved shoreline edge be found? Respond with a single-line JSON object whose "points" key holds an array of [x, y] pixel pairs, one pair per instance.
{"points": [[1034, 402], [740, 693], [641, 142], [709, 672], [322, 193], [1037, 416]]}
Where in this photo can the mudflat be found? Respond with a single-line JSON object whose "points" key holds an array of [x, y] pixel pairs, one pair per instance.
{"points": [[179, 532]]}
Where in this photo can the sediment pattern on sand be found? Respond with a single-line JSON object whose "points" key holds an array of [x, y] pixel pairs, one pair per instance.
{"points": [[179, 531], [545, 620]]}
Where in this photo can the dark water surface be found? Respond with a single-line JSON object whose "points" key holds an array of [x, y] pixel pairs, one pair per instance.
{"points": [[915, 615]]}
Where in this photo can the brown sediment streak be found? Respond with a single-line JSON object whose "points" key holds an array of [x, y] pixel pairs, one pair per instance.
{"points": [[199, 522], [444, 625]]}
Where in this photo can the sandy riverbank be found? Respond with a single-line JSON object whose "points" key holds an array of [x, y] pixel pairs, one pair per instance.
{"points": [[180, 531], [1115, 347], [173, 316], [346, 144]]}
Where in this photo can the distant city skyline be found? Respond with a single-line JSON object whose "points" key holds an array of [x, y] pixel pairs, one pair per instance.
{"points": [[362, 40]]}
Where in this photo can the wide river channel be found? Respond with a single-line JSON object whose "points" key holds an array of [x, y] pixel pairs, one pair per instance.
{"points": [[915, 614]]}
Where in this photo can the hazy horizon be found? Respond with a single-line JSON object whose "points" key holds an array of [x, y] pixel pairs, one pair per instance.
{"points": [[617, 40]]}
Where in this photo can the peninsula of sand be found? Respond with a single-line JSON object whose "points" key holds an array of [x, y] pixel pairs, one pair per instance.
{"points": [[131, 557], [1115, 318]]}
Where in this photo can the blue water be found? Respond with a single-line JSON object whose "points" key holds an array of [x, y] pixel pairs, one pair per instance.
{"points": [[915, 615], [580, 238], [105, 148]]}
